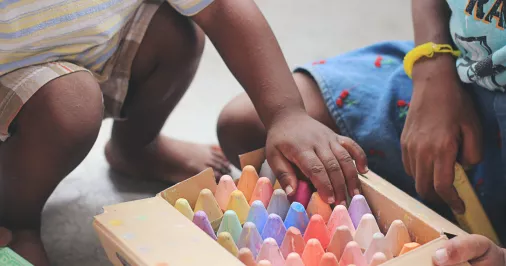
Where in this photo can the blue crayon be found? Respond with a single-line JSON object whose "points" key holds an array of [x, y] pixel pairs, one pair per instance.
{"points": [[258, 215], [250, 238], [231, 224], [297, 217], [274, 228], [279, 203]]}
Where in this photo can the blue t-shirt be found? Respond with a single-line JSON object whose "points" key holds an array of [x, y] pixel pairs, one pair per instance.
{"points": [[477, 28]]}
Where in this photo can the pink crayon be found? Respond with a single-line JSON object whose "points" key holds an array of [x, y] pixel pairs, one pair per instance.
{"points": [[397, 236], [200, 219], [365, 231], [302, 194], [342, 236], [313, 253], [263, 191], [340, 217], [293, 242], [318, 230], [270, 251], [225, 187], [352, 255], [378, 259], [264, 263], [294, 259], [246, 257], [329, 259], [358, 207], [378, 244]]}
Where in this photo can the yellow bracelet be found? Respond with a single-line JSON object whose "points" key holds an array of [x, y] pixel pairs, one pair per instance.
{"points": [[427, 50]]}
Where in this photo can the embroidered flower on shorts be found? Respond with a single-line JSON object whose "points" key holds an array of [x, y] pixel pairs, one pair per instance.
{"points": [[321, 62], [403, 108], [343, 99]]}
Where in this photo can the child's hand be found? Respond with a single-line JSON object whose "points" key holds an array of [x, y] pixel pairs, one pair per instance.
{"points": [[322, 155], [441, 120], [476, 249], [5, 237]]}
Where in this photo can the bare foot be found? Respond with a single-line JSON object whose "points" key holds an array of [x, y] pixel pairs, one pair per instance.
{"points": [[167, 159]]}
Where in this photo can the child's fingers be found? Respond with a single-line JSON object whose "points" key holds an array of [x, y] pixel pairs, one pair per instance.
{"points": [[444, 175], [356, 152], [5, 237], [283, 169], [468, 248], [471, 145], [313, 168], [335, 172], [348, 168]]}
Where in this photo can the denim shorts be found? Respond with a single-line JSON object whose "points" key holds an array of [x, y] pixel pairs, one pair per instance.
{"points": [[368, 95]]}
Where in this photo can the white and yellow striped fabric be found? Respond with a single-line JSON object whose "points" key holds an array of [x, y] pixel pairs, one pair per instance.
{"points": [[84, 32]]}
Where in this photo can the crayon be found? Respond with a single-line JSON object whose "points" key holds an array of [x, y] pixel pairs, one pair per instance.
{"points": [[230, 223], [352, 255], [302, 194], [250, 238], [274, 228], [263, 191], [294, 259], [358, 207], [266, 171], [226, 241], [279, 203], [225, 187], [184, 207], [340, 217], [378, 259], [200, 220], [246, 257], [270, 251], [297, 217], [239, 205], [342, 236], [258, 215], [313, 253], [378, 244], [329, 259], [408, 247], [317, 206], [366, 229], [248, 181], [207, 203], [318, 230], [293, 242], [397, 236]]}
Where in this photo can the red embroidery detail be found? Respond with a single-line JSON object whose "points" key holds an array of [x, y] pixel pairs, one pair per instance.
{"points": [[339, 102], [321, 62], [403, 108], [401, 103], [344, 94]]}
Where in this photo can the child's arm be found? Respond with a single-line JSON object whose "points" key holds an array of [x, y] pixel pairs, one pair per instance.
{"points": [[441, 120], [5, 237], [245, 41], [476, 249]]}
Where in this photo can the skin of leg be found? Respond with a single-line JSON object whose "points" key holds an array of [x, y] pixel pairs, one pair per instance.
{"points": [[162, 71], [52, 134], [240, 129]]}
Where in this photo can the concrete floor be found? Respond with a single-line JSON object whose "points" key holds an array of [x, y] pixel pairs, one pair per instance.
{"points": [[307, 32]]}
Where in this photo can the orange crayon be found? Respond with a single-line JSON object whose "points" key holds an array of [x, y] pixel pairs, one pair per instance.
{"points": [[226, 241], [338, 218], [248, 181], [378, 259], [270, 251], [342, 236], [313, 253], [263, 191], [239, 204], [397, 236], [378, 244], [293, 242], [225, 187], [352, 255], [329, 259], [294, 259], [365, 230], [318, 206], [246, 257], [317, 229], [207, 203], [408, 247]]}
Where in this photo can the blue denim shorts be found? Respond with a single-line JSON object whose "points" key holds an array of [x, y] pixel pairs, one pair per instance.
{"points": [[368, 95]]}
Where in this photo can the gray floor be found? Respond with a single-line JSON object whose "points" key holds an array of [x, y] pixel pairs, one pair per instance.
{"points": [[307, 32]]}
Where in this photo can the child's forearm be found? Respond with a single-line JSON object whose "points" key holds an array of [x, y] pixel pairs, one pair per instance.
{"points": [[245, 41]]}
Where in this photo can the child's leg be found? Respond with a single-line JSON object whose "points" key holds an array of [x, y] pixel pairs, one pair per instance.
{"points": [[162, 70], [240, 129], [53, 133]]}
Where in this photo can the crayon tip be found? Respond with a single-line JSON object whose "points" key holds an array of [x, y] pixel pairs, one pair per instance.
{"points": [[264, 263], [200, 220], [342, 236], [294, 259], [408, 247], [230, 223], [239, 205], [293, 242], [266, 171], [279, 203], [352, 255], [329, 259], [397, 236], [263, 191], [183, 206], [313, 253], [226, 241], [318, 230], [258, 215], [225, 187], [270, 251], [366, 229], [248, 181], [250, 238], [297, 217], [274, 228], [318, 206], [338, 218], [302, 194], [378, 244], [246, 257], [378, 259], [207, 203], [358, 208]]}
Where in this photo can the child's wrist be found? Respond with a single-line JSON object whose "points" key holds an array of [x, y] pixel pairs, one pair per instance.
{"points": [[438, 65], [283, 114]]}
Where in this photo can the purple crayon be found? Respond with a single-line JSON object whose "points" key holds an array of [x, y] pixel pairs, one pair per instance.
{"points": [[250, 238], [274, 228], [302, 194], [257, 215], [358, 207], [200, 220], [297, 217], [279, 203]]}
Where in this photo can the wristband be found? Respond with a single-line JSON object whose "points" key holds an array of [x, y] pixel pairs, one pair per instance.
{"points": [[427, 50]]}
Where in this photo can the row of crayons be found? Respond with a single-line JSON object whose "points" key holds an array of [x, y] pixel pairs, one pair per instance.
{"points": [[264, 237]]}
